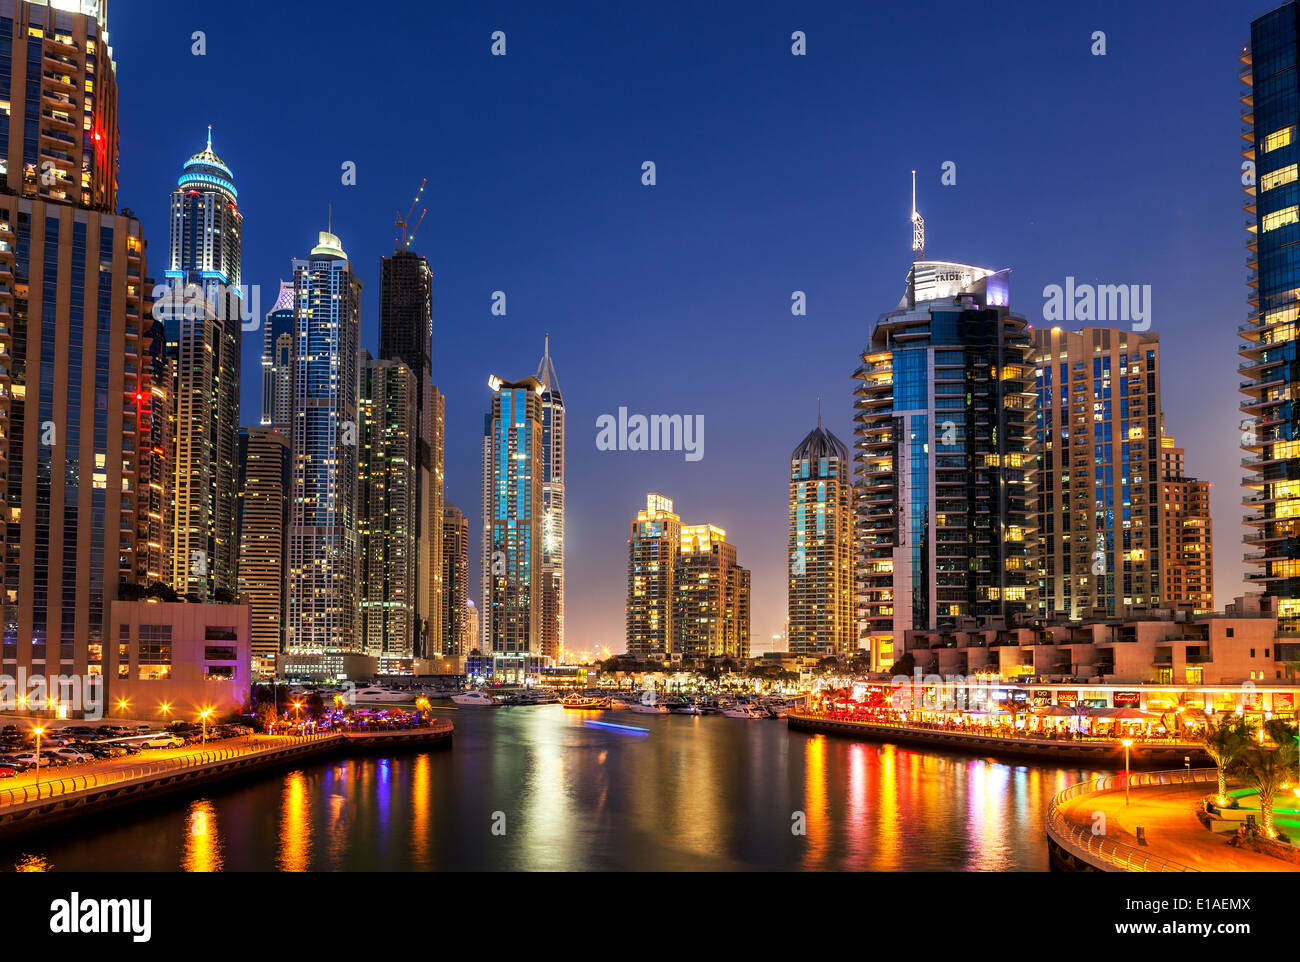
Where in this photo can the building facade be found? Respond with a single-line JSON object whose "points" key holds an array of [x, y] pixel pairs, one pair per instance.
{"points": [[278, 337], [390, 429], [653, 546], [201, 315], [822, 604], [406, 335], [710, 596], [552, 507], [455, 580], [263, 516], [324, 579], [77, 349], [511, 616], [942, 492], [1188, 536], [1101, 523], [171, 661], [1270, 427], [687, 597]]}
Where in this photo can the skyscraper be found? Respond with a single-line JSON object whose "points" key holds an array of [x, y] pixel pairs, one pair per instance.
{"points": [[406, 335], [387, 508], [552, 507], [455, 580], [511, 615], [1187, 558], [822, 608], [277, 362], [202, 320], [652, 549], [710, 596], [323, 584], [686, 594], [60, 120], [1271, 426], [1100, 512], [77, 355], [944, 410], [263, 533]]}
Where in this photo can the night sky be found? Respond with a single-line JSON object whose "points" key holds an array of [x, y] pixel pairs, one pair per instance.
{"points": [[775, 173]]}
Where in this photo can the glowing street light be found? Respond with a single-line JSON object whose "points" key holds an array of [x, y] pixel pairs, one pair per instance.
{"points": [[203, 716], [38, 731], [1128, 743], [121, 706]]}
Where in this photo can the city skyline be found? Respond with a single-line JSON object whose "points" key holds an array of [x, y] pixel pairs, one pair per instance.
{"points": [[1073, 208]]}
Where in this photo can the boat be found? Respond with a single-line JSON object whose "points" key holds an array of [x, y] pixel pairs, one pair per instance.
{"points": [[377, 694], [586, 702], [680, 706], [649, 704], [475, 698], [536, 698], [743, 710]]}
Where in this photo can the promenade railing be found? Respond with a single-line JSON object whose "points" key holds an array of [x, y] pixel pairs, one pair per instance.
{"points": [[55, 785], [1080, 840]]}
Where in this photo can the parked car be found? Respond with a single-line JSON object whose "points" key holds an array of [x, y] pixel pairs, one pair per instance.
{"points": [[76, 756], [7, 772], [47, 759], [163, 740]]}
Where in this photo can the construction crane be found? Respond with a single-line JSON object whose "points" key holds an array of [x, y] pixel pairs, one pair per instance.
{"points": [[408, 232]]}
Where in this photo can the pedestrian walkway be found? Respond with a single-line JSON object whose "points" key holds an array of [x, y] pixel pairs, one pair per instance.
{"points": [[1167, 813]]}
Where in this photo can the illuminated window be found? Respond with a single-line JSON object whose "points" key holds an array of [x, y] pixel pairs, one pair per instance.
{"points": [[1276, 178], [1279, 138], [1280, 218]]}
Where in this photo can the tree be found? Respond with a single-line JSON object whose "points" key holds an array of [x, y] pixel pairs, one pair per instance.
{"points": [[905, 665], [266, 716], [315, 705], [1225, 742], [1267, 769]]}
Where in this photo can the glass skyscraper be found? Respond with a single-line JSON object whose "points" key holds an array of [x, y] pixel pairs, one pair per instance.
{"points": [[821, 599], [1270, 429], [202, 322], [323, 585], [944, 417], [512, 528], [552, 507], [277, 361]]}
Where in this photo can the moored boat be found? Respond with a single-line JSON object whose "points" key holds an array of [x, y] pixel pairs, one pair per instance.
{"points": [[475, 698]]}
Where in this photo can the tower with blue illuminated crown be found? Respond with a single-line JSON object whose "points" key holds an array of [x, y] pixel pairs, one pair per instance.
{"points": [[201, 317]]}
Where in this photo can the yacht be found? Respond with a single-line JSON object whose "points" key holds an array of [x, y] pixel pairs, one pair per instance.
{"points": [[680, 706], [475, 698], [744, 711], [379, 694], [588, 702], [649, 704]]}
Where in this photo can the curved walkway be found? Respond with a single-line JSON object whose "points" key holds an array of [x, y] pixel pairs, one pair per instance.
{"points": [[1166, 809]]}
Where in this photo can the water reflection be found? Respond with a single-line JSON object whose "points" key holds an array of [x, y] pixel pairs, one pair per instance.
{"points": [[697, 793], [201, 850]]}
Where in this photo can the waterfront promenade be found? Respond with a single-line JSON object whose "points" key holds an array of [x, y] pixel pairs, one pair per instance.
{"points": [[1097, 751], [1164, 805], [93, 787]]}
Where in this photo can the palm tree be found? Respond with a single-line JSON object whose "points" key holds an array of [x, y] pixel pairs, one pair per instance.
{"points": [[1225, 742], [1267, 770]]}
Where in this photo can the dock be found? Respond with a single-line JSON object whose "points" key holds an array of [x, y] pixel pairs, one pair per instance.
{"points": [[71, 792]]}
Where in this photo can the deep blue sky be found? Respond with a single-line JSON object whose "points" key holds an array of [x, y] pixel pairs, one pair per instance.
{"points": [[775, 173]]}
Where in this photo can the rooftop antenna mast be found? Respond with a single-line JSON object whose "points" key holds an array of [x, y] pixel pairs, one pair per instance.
{"points": [[408, 232], [918, 227]]}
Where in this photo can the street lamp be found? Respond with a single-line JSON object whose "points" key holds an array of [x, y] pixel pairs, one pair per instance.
{"points": [[203, 716], [121, 706], [1128, 743], [39, 732], [297, 711]]}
